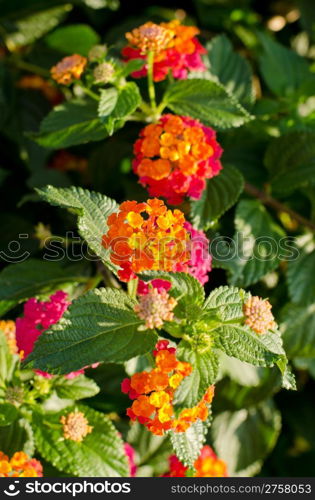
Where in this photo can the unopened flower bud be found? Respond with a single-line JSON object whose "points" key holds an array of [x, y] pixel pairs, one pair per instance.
{"points": [[97, 52], [156, 307], [258, 315], [103, 73], [75, 426]]}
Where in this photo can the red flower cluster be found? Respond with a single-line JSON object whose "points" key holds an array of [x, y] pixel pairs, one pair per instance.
{"points": [[153, 394], [175, 156], [206, 465], [176, 49]]}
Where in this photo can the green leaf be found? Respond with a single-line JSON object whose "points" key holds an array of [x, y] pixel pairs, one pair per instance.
{"points": [[127, 102], [205, 371], [92, 209], [242, 343], [79, 387], [186, 289], [28, 29], [107, 102], [130, 67], [305, 364], [100, 454], [244, 438], [8, 414], [17, 436], [255, 249], [187, 445], [290, 160], [71, 123], [221, 193], [73, 39], [152, 452], [283, 70], [98, 326], [226, 303], [207, 101], [231, 69], [300, 278], [32, 277], [297, 324]]}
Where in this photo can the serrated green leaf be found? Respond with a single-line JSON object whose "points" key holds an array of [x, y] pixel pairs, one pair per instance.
{"points": [[207, 101], [26, 30], [300, 278], [187, 445], [8, 414], [220, 194], [79, 387], [127, 102], [297, 324], [282, 69], [93, 210], [290, 160], [7, 361], [17, 437], [205, 372], [73, 39], [100, 454], [71, 123], [107, 102], [99, 326], [226, 303], [244, 438], [231, 69], [34, 277], [130, 67], [255, 249]]}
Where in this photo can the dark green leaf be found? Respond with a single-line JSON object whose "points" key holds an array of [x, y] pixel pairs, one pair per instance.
{"points": [[93, 210], [17, 437], [8, 414], [300, 277], [243, 438], [100, 454], [290, 160], [99, 326], [73, 39], [207, 101], [297, 324], [231, 69], [71, 123], [221, 193]]}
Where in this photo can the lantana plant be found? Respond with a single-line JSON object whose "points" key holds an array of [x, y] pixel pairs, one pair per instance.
{"points": [[146, 311]]}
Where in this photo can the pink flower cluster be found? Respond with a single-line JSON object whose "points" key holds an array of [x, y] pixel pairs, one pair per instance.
{"points": [[38, 317]]}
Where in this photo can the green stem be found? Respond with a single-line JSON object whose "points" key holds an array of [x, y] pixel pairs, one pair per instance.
{"points": [[90, 93], [151, 89]]}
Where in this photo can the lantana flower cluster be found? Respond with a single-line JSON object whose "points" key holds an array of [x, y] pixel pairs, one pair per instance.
{"points": [[69, 69], [175, 156], [20, 465], [153, 392], [176, 49], [258, 315], [75, 426], [147, 236], [206, 465]]}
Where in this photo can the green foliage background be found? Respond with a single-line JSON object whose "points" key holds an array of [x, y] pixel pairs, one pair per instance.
{"points": [[258, 92]]}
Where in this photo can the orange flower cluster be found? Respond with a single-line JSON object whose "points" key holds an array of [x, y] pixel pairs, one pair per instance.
{"points": [[20, 465], [176, 49], [174, 157], [8, 328], [153, 394], [68, 69], [147, 236], [150, 36], [75, 426], [258, 315], [36, 82], [206, 465]]}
